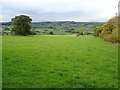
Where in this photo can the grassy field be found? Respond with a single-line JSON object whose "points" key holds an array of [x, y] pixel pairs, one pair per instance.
{"points": [[59, 61]]}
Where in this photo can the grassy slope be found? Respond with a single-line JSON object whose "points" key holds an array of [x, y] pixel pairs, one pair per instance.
{"points": [[59, 61]]}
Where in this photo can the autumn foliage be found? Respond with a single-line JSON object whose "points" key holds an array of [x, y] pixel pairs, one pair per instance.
{"points": [[109, 31]]}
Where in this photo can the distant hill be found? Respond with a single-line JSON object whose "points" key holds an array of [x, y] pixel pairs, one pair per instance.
{"points": [[59, 24], [60, 27], [48, 24]]}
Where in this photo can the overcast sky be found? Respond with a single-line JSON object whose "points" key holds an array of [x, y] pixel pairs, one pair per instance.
{"points": [[59, 10]]}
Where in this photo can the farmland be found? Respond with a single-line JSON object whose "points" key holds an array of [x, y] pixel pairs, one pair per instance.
{"points": [[59, 44], [66, 61], [58, 28]]}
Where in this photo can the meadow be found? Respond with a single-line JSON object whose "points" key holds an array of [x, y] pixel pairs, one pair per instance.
{"points": [[65, 61]]}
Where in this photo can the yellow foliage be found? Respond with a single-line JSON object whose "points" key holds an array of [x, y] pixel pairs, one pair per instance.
{"points": [[110, 31]]}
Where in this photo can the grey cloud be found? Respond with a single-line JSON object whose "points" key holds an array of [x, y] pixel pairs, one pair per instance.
{"points": [[55, 10]]}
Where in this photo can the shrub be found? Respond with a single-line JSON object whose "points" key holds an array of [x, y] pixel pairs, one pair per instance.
{"points": [[32, 33], [6, 29], [109, 30], [81, 33], [51, 33]]}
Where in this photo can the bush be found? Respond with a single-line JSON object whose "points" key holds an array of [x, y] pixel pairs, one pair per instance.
{"points": [[109, 30], [6, 29], [51, 33], [81, 33], [32, 33], [98, 30]]}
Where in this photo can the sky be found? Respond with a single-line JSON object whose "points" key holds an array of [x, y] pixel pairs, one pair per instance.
{"points": [[59, 10]]}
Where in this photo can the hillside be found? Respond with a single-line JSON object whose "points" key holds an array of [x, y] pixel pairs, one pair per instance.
{"points": [[64, 27]]}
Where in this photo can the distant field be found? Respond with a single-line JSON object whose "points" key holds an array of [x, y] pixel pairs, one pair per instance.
{"points": [[59, 61], [58, 28]]}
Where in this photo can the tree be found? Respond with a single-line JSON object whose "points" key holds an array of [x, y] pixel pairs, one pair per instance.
{"points": [[21, 25], [51, 33]]}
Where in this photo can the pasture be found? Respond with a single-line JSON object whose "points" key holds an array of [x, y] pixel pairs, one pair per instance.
{"points": [[59, 62]]}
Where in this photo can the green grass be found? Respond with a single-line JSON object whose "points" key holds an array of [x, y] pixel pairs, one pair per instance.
{"points": [[59, 61]]}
